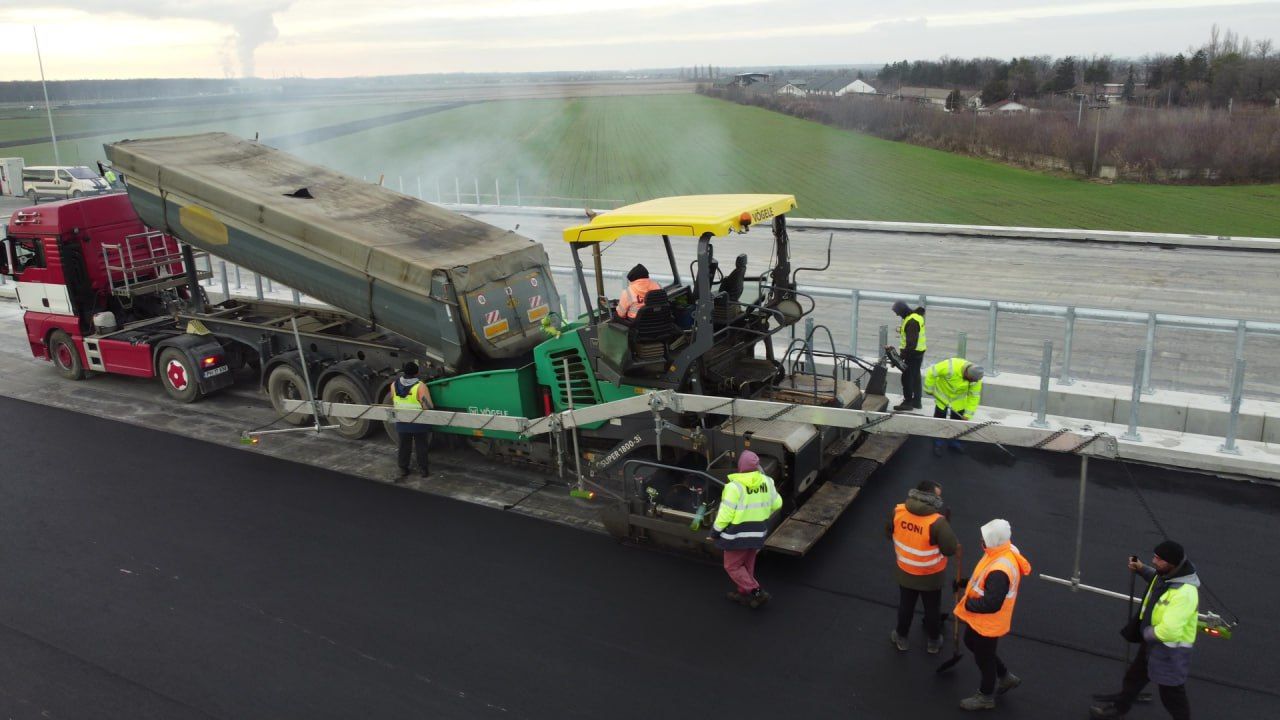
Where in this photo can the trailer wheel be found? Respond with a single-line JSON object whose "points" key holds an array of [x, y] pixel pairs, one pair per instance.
{"points": [[65, 356], [344, 390], [389, 427], [285, 383], [178, 376]]}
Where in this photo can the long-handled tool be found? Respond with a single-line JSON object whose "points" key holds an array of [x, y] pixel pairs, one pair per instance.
{"points": [[955, 621]]}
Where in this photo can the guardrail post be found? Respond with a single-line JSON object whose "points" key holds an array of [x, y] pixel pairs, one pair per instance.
{"points": [[1241, 329], [1067, 334], [853, 323], [992, 313], [477, 182], [257, 285], [497, 192], [237, 277], [226, 291], [1151, 350], [1135, 398], [297, 298], [1233, 420], [1042, 398], [924, 302], [400, 182], [884, 339], [457, 191], [270, 289], [962, 345]]}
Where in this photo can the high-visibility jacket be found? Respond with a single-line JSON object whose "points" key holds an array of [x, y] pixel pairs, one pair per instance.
{"points": [[945, 382], [1174, 619], [414, 397], [633, 297], [747, 502], [110, 177], [916, 554], [1006, 559], [902, 333]]}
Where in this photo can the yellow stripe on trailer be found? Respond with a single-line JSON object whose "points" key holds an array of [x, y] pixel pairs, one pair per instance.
{"points": [[683, 216]]}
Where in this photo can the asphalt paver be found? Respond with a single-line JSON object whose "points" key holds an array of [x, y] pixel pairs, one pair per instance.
{"points": [[149, 575]]}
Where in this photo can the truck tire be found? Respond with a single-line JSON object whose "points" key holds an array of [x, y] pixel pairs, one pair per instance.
{"points": [[342, 389], [285, 383], [389, 428], [66, 356], [178, 376]]}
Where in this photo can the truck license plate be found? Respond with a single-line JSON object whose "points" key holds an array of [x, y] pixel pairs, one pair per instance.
{"points": [[216, 371]]}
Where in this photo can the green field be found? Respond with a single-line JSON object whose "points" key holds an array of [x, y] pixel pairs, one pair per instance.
{"points": [[622, 149]]}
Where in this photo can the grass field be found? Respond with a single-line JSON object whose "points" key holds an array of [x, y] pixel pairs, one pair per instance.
{"points": [[614, 150]]}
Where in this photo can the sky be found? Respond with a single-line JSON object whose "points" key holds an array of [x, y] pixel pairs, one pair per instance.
{"points": [[341, 38]]}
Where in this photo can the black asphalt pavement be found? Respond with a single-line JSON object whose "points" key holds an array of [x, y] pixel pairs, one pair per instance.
{"points": [[146, 575]]}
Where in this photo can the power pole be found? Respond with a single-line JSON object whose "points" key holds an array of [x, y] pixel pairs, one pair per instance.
{"points": [[1097, 132]]}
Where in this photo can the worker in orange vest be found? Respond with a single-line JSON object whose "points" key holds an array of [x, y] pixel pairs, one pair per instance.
{"points": [[987, 608], [922, 542], [633, 297]]}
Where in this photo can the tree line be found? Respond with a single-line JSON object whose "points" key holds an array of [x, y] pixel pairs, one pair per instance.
{"points": [[1226, 69]]}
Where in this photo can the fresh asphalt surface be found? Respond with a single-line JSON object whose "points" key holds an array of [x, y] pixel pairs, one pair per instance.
{"points": [[147, 575]]}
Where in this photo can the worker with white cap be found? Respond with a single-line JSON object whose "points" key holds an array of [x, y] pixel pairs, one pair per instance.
{"points": [[987, 608], [956, 387]]}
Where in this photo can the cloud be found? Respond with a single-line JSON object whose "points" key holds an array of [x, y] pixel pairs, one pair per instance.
{"points": [[251, 22]]}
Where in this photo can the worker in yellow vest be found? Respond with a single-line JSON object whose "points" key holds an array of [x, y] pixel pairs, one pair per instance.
{"points": [[911, 347], [747, 504], [987, 608], [1168, 622], [408, 392], [956, 387], [922, 542]]}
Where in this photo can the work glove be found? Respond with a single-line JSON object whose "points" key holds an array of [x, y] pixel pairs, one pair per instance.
{"points": [[1149, 634]]}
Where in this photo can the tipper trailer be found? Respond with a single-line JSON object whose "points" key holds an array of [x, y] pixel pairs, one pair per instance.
{"points": [[110, 285]]}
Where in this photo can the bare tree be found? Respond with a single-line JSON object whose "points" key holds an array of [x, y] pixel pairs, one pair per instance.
{"points": [[1212, 48], [1262, 48]]}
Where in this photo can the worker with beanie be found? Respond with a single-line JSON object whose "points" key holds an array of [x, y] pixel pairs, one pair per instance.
{"points": [[1168, 621], [408, 392], [956, 387], [911, 347], [987, 608], [747, 503], [922, 541], [638, 285]]}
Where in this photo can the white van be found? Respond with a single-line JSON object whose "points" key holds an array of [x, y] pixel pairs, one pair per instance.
{"points": [[61, 182]]}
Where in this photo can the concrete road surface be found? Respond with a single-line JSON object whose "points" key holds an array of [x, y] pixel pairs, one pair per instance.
{"points": [[152, 576]]}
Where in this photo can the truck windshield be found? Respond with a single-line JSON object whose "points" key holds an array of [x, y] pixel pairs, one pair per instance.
{"points": [[83, 173]]}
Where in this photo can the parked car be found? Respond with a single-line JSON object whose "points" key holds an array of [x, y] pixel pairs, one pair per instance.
{"points": [[61, 182]]}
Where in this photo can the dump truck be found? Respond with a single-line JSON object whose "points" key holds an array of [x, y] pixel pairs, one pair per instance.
{"points": [[111, 285]]}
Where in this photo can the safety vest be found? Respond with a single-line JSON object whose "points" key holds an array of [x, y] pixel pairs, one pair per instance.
{"points": [[902, 332], [1174, 619], [916, 555], [633, 297], [746, 504], [110, 177], [410, 399], [1008, 560], [945, 382]]}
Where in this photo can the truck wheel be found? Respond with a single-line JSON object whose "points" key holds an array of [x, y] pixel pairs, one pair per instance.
{"points": [[285, 383], [345, 390], [66, 357], [178, 376], [389, 427]]}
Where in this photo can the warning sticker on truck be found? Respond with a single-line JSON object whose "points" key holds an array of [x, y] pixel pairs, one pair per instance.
{"points": [[496, 329]]}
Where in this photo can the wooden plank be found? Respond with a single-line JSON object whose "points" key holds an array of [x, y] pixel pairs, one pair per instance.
{"points": [[826, 505], [880, 446], [795, 538]]}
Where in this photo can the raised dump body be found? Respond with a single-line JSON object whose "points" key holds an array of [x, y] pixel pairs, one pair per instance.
{"points": [[468, 291]]}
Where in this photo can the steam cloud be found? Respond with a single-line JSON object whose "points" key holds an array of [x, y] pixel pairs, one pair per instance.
{"points": [[252, 22]]}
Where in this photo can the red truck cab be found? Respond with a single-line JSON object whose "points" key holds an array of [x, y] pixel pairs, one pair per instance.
{"points": [[98, 289]]}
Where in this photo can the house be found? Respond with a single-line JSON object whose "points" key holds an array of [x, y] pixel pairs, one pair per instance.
{"points": [[793, 87], [926, 96], [842, 85], [748, 79]]}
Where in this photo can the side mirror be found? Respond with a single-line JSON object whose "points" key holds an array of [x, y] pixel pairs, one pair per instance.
{"points": [[6, 257]]}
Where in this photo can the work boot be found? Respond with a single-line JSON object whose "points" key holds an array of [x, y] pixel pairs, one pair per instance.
{"points": [[937, 448], [978, 702], [899, 641], [737, 597], [904, 405], [400, 476], [1105, 712], [1143, 697], [758, 599], [1007, 683], [915, 405], [935, 645]]}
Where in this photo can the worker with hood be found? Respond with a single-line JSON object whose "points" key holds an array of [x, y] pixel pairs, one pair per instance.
{"points": [[987, 608], [956, 387], [911, 347], [747, 503], [638, 286], [922, 541], [1168, 622]]}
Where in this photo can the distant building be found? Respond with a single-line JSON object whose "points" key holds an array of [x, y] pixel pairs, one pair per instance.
{"points": [[750, 78], [1006, 107], [842, 85], [926, 96], [793, 87]]}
